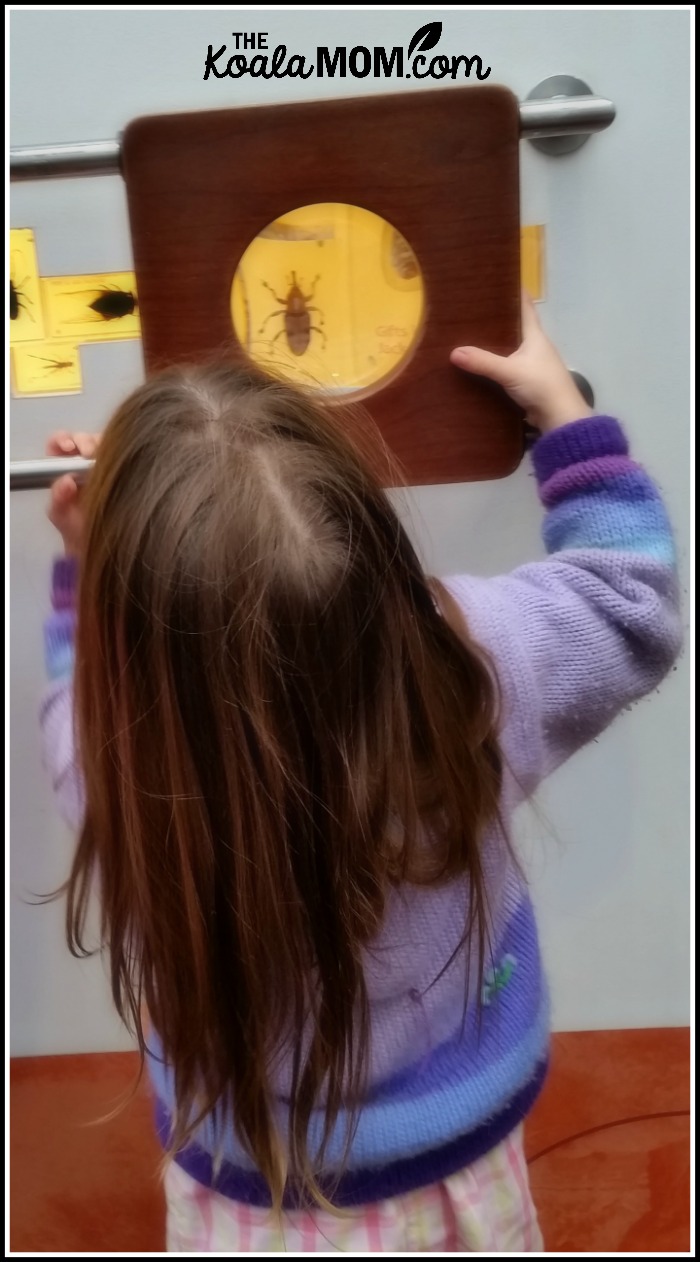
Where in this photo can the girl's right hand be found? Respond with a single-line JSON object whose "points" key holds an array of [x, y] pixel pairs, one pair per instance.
{"points": [[534, 376], [65, 511]]}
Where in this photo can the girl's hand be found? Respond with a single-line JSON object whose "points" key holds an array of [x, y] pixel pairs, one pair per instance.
{"points": [[65, 511], [534, 376]]}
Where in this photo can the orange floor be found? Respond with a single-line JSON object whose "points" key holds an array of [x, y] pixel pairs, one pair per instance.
{"points": [[608, 1147]]}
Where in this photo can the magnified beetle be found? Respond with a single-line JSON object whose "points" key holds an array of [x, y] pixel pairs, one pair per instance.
{"points": [[111, 304], [296, 312]]}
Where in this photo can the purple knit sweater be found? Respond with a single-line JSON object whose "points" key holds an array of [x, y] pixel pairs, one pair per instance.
{"points": [[575, 639]]}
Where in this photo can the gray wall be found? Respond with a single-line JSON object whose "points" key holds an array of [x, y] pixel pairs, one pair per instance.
{"points": [[608, 845]]}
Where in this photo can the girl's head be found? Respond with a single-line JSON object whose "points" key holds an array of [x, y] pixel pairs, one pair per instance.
{"points": [[277, 719]]}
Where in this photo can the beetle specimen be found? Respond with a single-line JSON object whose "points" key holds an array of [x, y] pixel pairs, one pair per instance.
{"points": [[295, 309], [111, 303], [18, 300]]}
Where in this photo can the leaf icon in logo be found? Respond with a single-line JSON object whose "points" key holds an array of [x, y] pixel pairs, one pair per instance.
{"points": [[426, 37]]}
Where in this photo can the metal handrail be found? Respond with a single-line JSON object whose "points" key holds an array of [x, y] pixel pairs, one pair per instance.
{"points": [[556, 116], [34, 475]]}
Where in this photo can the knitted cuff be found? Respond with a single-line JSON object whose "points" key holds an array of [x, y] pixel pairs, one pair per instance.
{"points": [[587, 439], [64, 582]]}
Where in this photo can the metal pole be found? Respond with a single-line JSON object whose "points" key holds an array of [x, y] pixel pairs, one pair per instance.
{"points": [[34, 475], [565, 116], [56, 162], [560, 116]]}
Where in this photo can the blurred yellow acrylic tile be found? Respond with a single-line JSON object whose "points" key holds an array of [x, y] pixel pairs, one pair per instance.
{"points": [[532, 256], [46, 368], [26, 319], [101, 307]]}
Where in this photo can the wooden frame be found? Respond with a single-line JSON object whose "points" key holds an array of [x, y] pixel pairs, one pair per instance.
{"points": [[441, 166]]}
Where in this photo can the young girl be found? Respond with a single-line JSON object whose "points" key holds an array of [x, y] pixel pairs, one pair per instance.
{"points": [[296, 760]]}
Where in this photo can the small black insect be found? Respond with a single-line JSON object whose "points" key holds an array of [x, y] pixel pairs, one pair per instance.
{"points": [[56, 365], [295, 309], [111, 304], [18, 300]]}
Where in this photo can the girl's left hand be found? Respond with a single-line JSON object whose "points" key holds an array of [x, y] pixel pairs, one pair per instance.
{"points": [[65, 511]]}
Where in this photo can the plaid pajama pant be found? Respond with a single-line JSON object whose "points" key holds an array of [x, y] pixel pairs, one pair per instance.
{"points": [[486, 1208]]}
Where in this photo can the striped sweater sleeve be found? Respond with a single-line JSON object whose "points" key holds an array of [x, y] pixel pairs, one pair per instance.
{"points": [[576, 638], [56, 714]]}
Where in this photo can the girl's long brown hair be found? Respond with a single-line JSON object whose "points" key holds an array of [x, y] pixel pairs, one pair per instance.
{"points": [[276, 723]]}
